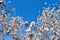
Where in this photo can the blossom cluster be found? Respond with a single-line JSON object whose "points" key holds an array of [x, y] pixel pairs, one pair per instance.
{"points": [[47, 26]]}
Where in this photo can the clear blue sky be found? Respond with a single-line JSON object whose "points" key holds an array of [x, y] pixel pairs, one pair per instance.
{"points": [[28, 9]]}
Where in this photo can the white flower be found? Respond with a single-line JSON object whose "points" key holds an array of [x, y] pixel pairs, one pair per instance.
{"points": [[32, 24], [28, 30], [1, 0]]}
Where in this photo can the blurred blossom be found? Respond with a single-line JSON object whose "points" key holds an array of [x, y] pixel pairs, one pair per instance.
{"points": [[14, 10], [48, 23]]}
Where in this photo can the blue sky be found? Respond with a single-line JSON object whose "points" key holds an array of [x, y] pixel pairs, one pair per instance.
{"points": [[28, 9]]}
